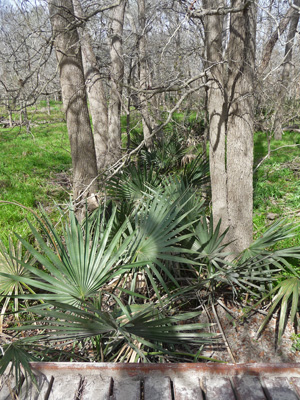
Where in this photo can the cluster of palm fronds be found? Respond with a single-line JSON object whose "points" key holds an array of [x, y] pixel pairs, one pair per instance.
{"points": [[128, 282]]}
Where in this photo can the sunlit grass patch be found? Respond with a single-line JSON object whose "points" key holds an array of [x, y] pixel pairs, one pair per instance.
{"points": [[29, 166]]}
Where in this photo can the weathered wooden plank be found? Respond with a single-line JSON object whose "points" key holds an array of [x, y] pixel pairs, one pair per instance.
{"points": [[126, 388], [278, 388], [248, 388], [295, 382], [65, 387], [157, 388], [187, 387], [7, 387], [218, 387], [95, 387], [32, 391]]}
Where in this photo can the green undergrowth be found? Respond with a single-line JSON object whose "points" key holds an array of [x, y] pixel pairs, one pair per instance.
{"points": [[276, 183], [35, 167], [34, 170], [155, 237]]}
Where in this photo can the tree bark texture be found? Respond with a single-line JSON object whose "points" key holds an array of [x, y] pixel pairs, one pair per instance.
{"points": [[286, 72], [231, 113], [142, 50], [74, 99], [217, 113], [240, 125], [95, 91], [116, 77]]}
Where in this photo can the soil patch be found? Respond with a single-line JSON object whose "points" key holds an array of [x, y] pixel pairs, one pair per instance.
{"points": [[241, 337]]}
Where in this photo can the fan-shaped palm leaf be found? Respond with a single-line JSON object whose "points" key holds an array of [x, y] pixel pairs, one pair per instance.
{"points": [[147, 324], [131, 184], [10, 264], [287, 299], [78, 265], [196, 172], [277, 232], [160, 228]]}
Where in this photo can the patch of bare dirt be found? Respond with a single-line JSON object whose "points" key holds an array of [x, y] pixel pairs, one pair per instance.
{"points": [[242, 342]]}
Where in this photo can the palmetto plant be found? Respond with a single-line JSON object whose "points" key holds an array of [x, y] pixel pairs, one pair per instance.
{"points": [[11, 263], [166, 155], [286, 297], [132, 183], [128, 333], [80, 261], [85, 277], [272, 275], [118, 278], [260, 271]]}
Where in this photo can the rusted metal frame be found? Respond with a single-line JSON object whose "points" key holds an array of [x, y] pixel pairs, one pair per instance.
{"points": [[136, 369]]}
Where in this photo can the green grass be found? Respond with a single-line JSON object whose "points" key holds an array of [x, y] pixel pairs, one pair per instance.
{"points": [[31, 165], [31, 168], [276, 183]]}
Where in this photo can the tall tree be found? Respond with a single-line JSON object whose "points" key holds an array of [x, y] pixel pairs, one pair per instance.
{"points": [[217, 111], [143, 75], [240, 123], [231, 115], [72, 82], [286, 72], [95, 90], [116, 80]]}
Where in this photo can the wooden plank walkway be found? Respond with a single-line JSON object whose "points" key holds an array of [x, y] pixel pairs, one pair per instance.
{"points": [[106, 381]]}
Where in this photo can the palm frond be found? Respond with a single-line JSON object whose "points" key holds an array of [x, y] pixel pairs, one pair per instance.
{"points": [[287, 300], [278, 231], [148, 324], [81, 263], [11, 261], [196, 172], [132, 183]]}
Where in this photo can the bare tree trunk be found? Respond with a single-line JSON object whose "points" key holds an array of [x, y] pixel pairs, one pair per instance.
{"points": [[9, 111], [21, 113], [116, 74], [95, 91], [72, 82], [217, 113], [286, 72], [240, 125], [230, 112], [142, 50], [48, 106], [129, 92]]}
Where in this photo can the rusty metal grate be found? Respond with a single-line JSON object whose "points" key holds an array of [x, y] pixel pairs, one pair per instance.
{"points": [[101, 381]]}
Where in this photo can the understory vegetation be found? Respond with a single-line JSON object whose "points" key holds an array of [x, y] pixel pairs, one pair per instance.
{"points": [[131, 281]]}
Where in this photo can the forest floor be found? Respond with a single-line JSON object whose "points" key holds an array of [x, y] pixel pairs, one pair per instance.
{"points": [[35, 169], [242, 344]]}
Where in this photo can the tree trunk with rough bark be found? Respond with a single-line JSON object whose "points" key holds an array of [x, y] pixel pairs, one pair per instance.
{"points": [[231, 114], [286, 72], [95, 91], [142, 50], [217, 113], [240, 125], [116, 77], [72, 82]]}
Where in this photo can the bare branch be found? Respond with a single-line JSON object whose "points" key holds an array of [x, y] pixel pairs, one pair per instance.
{"points": [[273, 39], [172, 88], [218, 11], [295, 6]]}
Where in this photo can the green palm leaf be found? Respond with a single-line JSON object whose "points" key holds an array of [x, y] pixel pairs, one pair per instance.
{"points": [[145, 323], [11, 261], [287, 294], [82, 263]]}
